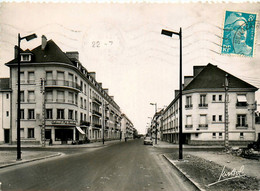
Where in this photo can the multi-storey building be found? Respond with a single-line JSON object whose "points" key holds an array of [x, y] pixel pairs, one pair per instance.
{"points": [[5, 110], [156, 125], [60, 99], [127, 127], [204, 109]]}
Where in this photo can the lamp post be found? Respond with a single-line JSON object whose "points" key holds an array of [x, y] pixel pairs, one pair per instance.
{"points": [[170, 33], [28, 38], [155, 122]]}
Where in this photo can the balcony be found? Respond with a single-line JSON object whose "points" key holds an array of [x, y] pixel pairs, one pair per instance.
{"points": [[62, 83], [188, 106], [96, 100], [97, 113], [241, 126], [241, 104], [203, 105], [203, 126], [188, 126], [86, 123], [97, 125]]}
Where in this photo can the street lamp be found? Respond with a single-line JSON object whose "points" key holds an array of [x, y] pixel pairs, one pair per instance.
{"points": [[170, 33], [28, 38], [155, 104]]}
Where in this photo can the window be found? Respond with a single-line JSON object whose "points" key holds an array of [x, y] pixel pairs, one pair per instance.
{"points": [[220, 98], [30, 113], [85, 117], [60, 113], [76, 115], [203, 121], [48, 113], [188, 121], [220, 117], [71, 78], [49, 96], [241, 135], [21, 113], [220, 135], [188, 102], [7, 113], [81, 103], [22, 96], [203, 101], [22, 132], [60, 96], [31, 77], [213, 97], [85, 89], [7, 96], [60, 77], [196, 135], [76, 99], [22, 78], [49, 76], [70, 98], [81, 116], [31, 96], [70, 114], [25, 57], [30, 132], [241, 100], [213, 117], [213, 135], [47, 133], [85, 104], [241, 120]]}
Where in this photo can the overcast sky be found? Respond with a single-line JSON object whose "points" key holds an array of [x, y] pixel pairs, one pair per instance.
{"points": [[133, 59]]}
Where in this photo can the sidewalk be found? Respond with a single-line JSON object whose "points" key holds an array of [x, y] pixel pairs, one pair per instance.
{"points": [[8, 157], [202, 168]]}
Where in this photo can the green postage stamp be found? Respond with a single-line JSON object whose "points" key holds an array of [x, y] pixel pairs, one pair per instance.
{"points": [[239, 33]]}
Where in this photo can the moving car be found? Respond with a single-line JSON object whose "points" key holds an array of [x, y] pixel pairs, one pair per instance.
{"points": [[148, 141]]}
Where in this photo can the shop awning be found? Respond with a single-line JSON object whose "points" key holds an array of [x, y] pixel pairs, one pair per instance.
{"points": [[80, 130], [241, 98]]}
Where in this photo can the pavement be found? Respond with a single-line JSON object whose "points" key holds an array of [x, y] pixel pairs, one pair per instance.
{"points": [[8, 157], [250, 167]]}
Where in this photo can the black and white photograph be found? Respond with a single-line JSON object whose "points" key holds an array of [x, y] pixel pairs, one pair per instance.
{"points": [[129, 95]]}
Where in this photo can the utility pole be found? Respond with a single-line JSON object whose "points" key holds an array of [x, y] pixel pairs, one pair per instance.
{"points": [[226, 140], [43, 112]]}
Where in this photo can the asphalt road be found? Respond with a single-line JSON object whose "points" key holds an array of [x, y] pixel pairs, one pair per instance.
{"points": [[125, 166]]}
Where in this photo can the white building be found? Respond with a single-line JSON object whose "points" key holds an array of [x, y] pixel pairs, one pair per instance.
{"points": [[5, 110], [127, 127], [203, 109], [76, 106]]}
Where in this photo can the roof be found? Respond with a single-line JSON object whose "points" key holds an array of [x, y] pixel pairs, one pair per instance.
{"points": [[4, 84], [51, 53], [212, 77]]}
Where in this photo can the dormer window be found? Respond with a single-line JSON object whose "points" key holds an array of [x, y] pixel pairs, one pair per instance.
{"points": [[26, 57]]}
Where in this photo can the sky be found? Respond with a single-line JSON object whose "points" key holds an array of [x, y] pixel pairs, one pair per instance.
{"points": [[122, 43]]}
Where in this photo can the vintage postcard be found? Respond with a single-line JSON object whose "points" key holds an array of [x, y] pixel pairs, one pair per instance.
{"points": [[129, 95]]}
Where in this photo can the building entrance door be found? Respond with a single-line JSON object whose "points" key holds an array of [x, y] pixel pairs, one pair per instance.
{"points": [[6, 132]]}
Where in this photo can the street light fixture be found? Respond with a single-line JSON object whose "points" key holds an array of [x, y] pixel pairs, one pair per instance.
{"points": [[170, 33], [28, 38]]}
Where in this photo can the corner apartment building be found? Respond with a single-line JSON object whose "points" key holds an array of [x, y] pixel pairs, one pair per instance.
{"points": [[127, 127], [5, 110], [60, 99], [203, 109]]}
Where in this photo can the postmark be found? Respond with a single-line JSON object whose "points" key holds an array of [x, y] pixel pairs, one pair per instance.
{"points": [[239, 34]]}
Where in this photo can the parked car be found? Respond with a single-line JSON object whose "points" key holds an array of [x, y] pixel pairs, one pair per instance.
{"points": [[148, 141]]}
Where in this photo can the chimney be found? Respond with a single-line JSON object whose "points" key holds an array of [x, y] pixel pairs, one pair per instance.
{"points": [[73, 55], [106, 90], [44, 42], [15, 51], [187, 80], [176, 92], [100, 84], [92, 74], [197, 70]]}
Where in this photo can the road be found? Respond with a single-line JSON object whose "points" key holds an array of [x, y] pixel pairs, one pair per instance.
{"points": [[125, 166]]}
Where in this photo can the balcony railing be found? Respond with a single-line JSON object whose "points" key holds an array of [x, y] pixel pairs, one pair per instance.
{"points": [[203, 126], [203, 105], [63, 83], [188, 106], [242, 125], [86, 123], [97, 113], [97, 125], [96, 100], [241, 104], [188, 126]]}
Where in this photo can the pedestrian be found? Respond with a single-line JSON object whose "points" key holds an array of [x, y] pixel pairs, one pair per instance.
{"points": [[50, 143], [125, 139]]}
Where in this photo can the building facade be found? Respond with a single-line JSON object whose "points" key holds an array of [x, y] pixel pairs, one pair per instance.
{"points": [[203, 109], [127, 127], [5, 110], [60, 100]]}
